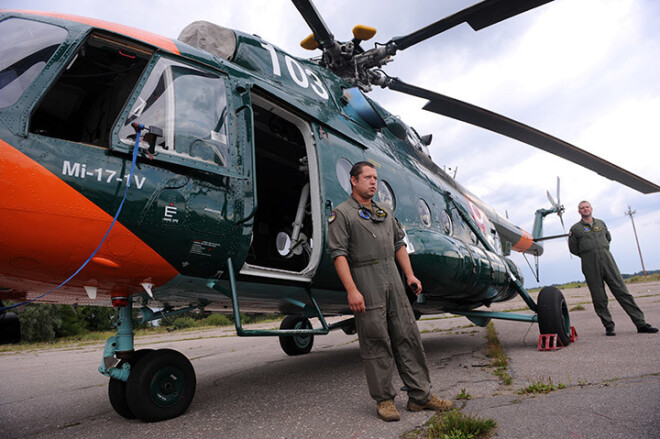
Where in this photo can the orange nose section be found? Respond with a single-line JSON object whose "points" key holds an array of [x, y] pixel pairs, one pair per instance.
{"points": [[48, 230]]}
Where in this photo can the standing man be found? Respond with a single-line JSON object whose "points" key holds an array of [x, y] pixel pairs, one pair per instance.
{"points": [[364, 241], [590, 240]]}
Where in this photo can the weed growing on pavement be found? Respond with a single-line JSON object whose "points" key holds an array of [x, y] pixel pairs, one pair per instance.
{"points": [[454, 425], [496, 352], [541, 387], [463, 395]]}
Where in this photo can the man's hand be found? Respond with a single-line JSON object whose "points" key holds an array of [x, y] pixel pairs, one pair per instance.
{"points": [[356, 302], [414, 284], [355, 298], [404, 262]]}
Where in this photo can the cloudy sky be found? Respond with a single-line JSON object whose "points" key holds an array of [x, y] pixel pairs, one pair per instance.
{"points": [[585, 71]]}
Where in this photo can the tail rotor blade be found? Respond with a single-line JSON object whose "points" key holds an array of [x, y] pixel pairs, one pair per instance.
{"points": [[552, 200]]}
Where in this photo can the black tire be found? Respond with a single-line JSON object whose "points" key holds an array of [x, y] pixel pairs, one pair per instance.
{"points": [[296, 344], [161, 386], [553, 315], [117, 388]]}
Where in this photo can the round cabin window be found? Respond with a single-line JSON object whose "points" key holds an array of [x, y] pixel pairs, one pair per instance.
{"points": [[424, 212]]}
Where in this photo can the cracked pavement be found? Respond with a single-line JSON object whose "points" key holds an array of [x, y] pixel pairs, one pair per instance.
{"points": [[247, 387]]}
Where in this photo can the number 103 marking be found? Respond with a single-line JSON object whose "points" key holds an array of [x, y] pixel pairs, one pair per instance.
{"points": [[299, 75]]}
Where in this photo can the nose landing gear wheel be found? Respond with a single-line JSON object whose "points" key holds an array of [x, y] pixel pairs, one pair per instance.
{"points": [[117, 388], [161, 386]]}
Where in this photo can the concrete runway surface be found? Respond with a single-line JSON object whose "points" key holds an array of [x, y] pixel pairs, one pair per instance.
{"points": [[247, 387]]}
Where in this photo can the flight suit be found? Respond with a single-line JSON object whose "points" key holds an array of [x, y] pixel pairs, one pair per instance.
{"points": [[591, 242], [387, 330]]}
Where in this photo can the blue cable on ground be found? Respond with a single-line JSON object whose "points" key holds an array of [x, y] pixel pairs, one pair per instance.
{"points": [[139, 129]]}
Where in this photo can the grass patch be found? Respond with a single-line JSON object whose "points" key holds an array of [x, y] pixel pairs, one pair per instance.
{"points": [[578, 308], [541, 387], [185, 324], [641, 279], [655, 277], [463, 395], [454, 425], [498, 357]]}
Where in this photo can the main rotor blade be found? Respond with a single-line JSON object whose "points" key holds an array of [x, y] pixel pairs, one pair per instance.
{"points": [[497, 123], [478, 16], [315, 22]]}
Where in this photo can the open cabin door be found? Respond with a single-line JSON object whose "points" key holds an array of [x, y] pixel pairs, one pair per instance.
{"points": [[286, 236]]}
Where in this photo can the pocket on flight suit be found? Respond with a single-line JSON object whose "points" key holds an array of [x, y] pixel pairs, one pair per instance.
{"points": [[372, 333]]}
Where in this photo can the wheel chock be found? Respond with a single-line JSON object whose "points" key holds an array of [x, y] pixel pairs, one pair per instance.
{"points": [[574, 335], [548, 342]]}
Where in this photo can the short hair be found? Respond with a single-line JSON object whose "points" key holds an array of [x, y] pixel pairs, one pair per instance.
{"points": [[356, 170], [583, 201]]}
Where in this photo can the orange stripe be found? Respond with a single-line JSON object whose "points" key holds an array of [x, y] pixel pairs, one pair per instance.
{"points": [[48, 229], [148, 37], [525, 242]]}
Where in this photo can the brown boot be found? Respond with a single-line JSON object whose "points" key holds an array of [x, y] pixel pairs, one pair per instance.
{"points": [[435, 403], [387, 411]]}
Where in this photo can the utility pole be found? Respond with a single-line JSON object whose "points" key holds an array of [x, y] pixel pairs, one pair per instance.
{"points": [[630, 213]]}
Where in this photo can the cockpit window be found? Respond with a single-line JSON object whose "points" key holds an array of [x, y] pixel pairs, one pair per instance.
{"points": [[26, 48], [190, 107], [83, 104]]}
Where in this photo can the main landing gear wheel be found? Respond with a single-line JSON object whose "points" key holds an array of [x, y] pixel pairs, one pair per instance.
{"points": [[296, 344], [553, 315], [117, 388], [161, 386]]}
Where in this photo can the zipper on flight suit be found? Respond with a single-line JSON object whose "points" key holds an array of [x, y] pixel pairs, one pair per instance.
{"points": [[368, 230]]}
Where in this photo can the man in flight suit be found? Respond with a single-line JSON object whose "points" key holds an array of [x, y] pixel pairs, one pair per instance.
{"points": [[365, 242], [590, 240]]}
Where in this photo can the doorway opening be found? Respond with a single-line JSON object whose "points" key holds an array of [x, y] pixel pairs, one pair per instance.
{"points": [[284, 232]]}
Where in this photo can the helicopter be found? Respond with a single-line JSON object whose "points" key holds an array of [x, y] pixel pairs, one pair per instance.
{"points": [[170, 176]]}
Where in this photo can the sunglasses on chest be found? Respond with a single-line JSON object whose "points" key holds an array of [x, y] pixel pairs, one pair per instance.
{"points": [[377, 216]]}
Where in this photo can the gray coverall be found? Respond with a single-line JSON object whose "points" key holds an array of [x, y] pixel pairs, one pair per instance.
{"points": [[387, 331], [591, 242]]}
